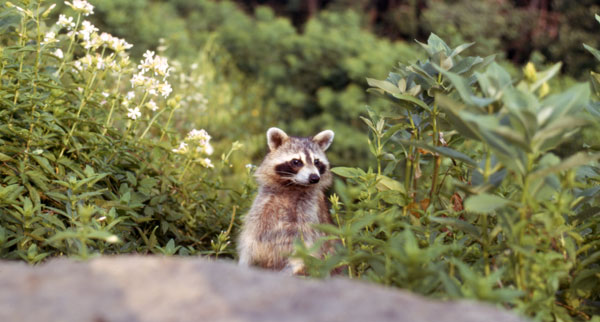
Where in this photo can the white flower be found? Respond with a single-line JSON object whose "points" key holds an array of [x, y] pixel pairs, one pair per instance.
{"points": [[100, 64], [151, 105], [81, 6], [119, 45], [112, 239], [156, 64], [59, 53], [77, 64], [130, 95], [165, 89], [49, 38], [205, 148], [138, 80], [86, 61], [249, 166], [200, 136], [181, 149], [134, 113], [87, 29], [65, 22], [207, 163], [105, 94]]}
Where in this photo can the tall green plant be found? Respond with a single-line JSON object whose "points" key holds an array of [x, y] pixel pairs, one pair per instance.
{"points": [[89, 162], [463, 129]]}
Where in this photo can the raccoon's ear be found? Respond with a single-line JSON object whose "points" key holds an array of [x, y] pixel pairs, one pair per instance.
{"points": [[275, 138], [324, 139]]}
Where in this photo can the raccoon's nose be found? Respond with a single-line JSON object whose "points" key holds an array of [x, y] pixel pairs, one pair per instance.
{"points": [[313, 178]]}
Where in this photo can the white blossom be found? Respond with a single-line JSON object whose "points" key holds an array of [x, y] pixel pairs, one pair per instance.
{"points": [[87, 29], [155, 63], [81, 6], [78, 66], [205, 148], [49, 38], [134, 113], [200, 136], [152, 105], [65, 22], [59, 53], [183, 147], [207, 163], [112, 239], [130, 95], [165, 89]]}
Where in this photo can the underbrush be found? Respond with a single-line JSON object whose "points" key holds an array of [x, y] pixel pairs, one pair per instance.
{"points": [[89, 161], [469, 198]]}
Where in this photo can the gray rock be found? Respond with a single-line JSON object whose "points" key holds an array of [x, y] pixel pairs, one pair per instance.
{"points": [[138, 288]]}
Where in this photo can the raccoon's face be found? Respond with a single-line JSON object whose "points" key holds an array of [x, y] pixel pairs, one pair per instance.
{"points": [[296, 162]]}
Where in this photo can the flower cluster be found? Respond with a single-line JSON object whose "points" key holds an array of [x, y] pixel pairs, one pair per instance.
{"points": [[155, 65], [49, 38], [65, 22], [190, 81], [199, 140], [81, 6]]}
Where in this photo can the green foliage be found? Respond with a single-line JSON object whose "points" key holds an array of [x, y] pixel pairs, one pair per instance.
{"points": [[87, 169], [526, 235], [264, 66]]}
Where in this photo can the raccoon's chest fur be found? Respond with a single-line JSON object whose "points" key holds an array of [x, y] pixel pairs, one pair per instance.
{"points": [[275, 221]]}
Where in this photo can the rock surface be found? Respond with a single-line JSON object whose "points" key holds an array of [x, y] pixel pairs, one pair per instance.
{"points": [[137, 288]]}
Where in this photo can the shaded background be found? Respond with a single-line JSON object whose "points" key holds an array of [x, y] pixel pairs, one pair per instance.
{"points": [[301, 65]]}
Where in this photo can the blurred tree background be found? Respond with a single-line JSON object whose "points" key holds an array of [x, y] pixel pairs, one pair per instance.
{"points": [[301, 65]]}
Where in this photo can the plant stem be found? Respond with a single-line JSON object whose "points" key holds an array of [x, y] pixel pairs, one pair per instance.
{"points": [[112, 106], [72, 40], [167, 124], [187, 164], [150, 124]]}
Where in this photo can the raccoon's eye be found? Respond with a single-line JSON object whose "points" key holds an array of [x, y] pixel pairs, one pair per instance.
{"points": [[296, 162], [317, 162]]}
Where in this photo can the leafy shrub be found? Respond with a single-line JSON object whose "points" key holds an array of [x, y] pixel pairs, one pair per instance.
{"points": [[89, 162], [468, 199]]}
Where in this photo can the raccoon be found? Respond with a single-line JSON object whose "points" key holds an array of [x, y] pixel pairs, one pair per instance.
{"points": [[291, 198]]}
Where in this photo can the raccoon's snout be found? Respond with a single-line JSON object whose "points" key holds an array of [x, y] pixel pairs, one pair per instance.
{"points": [[313, 178]]}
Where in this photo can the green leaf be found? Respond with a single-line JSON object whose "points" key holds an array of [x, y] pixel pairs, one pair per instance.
{"points": [[485, 203], [412, 99], [453, 109], [385, 183], [573, 161], [459, 49], [592, 50], [494, 80], [442, 150], [347, 172], [463, 88], [384, 85], [568, 102], [458, 224], [544, 76]]}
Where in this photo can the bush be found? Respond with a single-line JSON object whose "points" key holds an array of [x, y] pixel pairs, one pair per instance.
{"points": [[468, 199], [89, 162]]}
